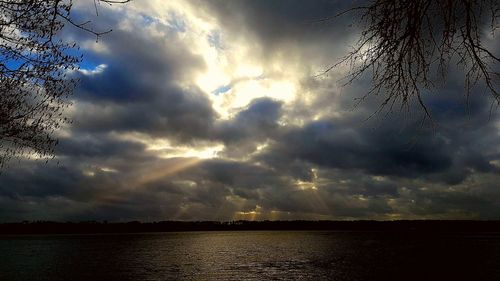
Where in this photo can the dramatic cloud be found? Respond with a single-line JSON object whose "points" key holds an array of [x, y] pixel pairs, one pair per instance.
{"points": [[217, 110]]}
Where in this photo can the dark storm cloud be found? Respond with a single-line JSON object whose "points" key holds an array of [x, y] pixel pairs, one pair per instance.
{"points": [[30, 190], [38, 181], [237, 174], [85, 146], [380, 152], [251, 126], [393, 148], [139, 89], [275, 22], [179, 115], [436, 202], [257, 121], [139, 67]]}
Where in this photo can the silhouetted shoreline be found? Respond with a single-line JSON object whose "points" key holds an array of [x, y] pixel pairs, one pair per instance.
{"points": [[94, 227]]}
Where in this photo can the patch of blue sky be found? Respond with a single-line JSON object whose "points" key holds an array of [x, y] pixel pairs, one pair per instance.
{"points": [[222, 90], [214, 39], [15, 63], [148, 20], [89, 62], [9, 63], [88, 65], [176, 23]]}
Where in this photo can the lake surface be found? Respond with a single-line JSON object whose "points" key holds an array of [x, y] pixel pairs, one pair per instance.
{"points": [[252, 255]]}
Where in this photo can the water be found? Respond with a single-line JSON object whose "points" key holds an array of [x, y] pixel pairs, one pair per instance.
{"points": [[252, 255]]}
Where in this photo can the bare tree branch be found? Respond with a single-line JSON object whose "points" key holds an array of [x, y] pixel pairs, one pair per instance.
{"points": [[34, 68], [408, 45]]}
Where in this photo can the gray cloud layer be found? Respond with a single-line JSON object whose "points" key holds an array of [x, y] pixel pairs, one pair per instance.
{"points": [[336, 165]]}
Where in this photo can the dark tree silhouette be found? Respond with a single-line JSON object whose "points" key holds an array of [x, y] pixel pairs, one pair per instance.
{"points": [[34, 68], [408, 45]]}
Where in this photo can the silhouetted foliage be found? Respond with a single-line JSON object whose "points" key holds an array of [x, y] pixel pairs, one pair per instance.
{"points": [[408, 45], [34, 68]]}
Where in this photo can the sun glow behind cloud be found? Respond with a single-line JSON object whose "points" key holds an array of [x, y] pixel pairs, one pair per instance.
{"points": [[234, 72], [241, 83], [164, 148], [233, 76]]}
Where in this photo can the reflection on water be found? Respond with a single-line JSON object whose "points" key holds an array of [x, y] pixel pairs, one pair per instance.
{"points": [[252, 255]]}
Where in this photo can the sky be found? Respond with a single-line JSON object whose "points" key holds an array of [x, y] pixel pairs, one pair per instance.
{"points": [[219, 110]]}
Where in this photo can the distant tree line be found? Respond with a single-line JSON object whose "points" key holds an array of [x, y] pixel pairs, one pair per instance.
{"points": [[415, 226]]}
